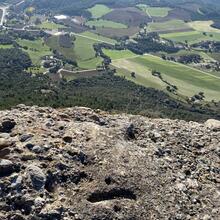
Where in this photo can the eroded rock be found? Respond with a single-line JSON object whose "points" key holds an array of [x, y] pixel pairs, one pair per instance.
{"points": [[83, 164]]}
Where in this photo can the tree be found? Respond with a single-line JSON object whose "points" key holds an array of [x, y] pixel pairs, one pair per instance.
{"points": [[133, 74]]}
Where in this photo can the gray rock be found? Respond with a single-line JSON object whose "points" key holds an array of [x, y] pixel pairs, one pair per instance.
{"points": [[213, 124], [36, 176], [37, 149], [133, 168], [4, 152], [39, 202], [5, 143], [16, 181], [7, 125], [6, 167], [4, 135], [25, 137]]}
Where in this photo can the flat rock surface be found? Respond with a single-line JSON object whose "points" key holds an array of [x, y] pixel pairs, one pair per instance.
{"points": [[83, 164]]}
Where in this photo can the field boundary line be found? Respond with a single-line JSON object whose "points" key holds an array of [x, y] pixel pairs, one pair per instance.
{"points": [[92, 38], [125, 58]]}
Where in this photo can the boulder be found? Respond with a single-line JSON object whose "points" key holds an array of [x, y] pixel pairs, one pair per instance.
{"points": [[25, 137], [213, 124], [36, 176], [7, 125], [6, 168], [5, 143]]}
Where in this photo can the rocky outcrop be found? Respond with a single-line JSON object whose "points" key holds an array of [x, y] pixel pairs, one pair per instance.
{"points": [[84, 164]]}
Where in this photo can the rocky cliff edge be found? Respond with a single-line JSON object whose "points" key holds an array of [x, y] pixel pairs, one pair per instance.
{"points": [[84, 164]]}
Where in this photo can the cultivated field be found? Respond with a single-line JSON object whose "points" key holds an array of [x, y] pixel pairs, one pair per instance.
{"points": [[191, 36], [36, 49], [113, 32], [154, 11], [105, 24], [119, 54], [203, 26], [85, 54], [97, 37], [5, 46], [82, 51], [54, 43], [50, 25], [189, 81], [99, 10], [129, 16], [168, 26]]}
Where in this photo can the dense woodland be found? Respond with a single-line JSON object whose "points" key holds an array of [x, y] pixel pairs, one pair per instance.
{"points": [[151, 43]]}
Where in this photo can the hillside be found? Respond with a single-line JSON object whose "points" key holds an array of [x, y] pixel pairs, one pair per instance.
{"points": [[78, 163]]}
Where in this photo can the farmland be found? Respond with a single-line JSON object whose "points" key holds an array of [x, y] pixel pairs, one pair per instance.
{"points": [[5, 46], [191, 36], [154, 11], [203, 26], [131, 16], [82, 51], [97, 38], [105, 24], [50, 25], [117, 32], [36, 49], [99, 10], [168, 26], [189, 81], [85, 54]]}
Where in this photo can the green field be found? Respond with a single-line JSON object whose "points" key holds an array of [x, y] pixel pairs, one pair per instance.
{"points": [[85, 54], [105, 24], [6, 46], [191, 36], [97, 37], [36, 49], [99, 10], [82, 51], [36, 70], [50, 25], [170, 25], [204, 55], [119, 54], [155, 11], [203, 26], [53, 42], [189, 81]]}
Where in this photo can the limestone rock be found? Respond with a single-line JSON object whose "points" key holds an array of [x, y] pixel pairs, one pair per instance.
{"points": [[6, 167], [213, 124], [83, 164], [37, 176]]}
